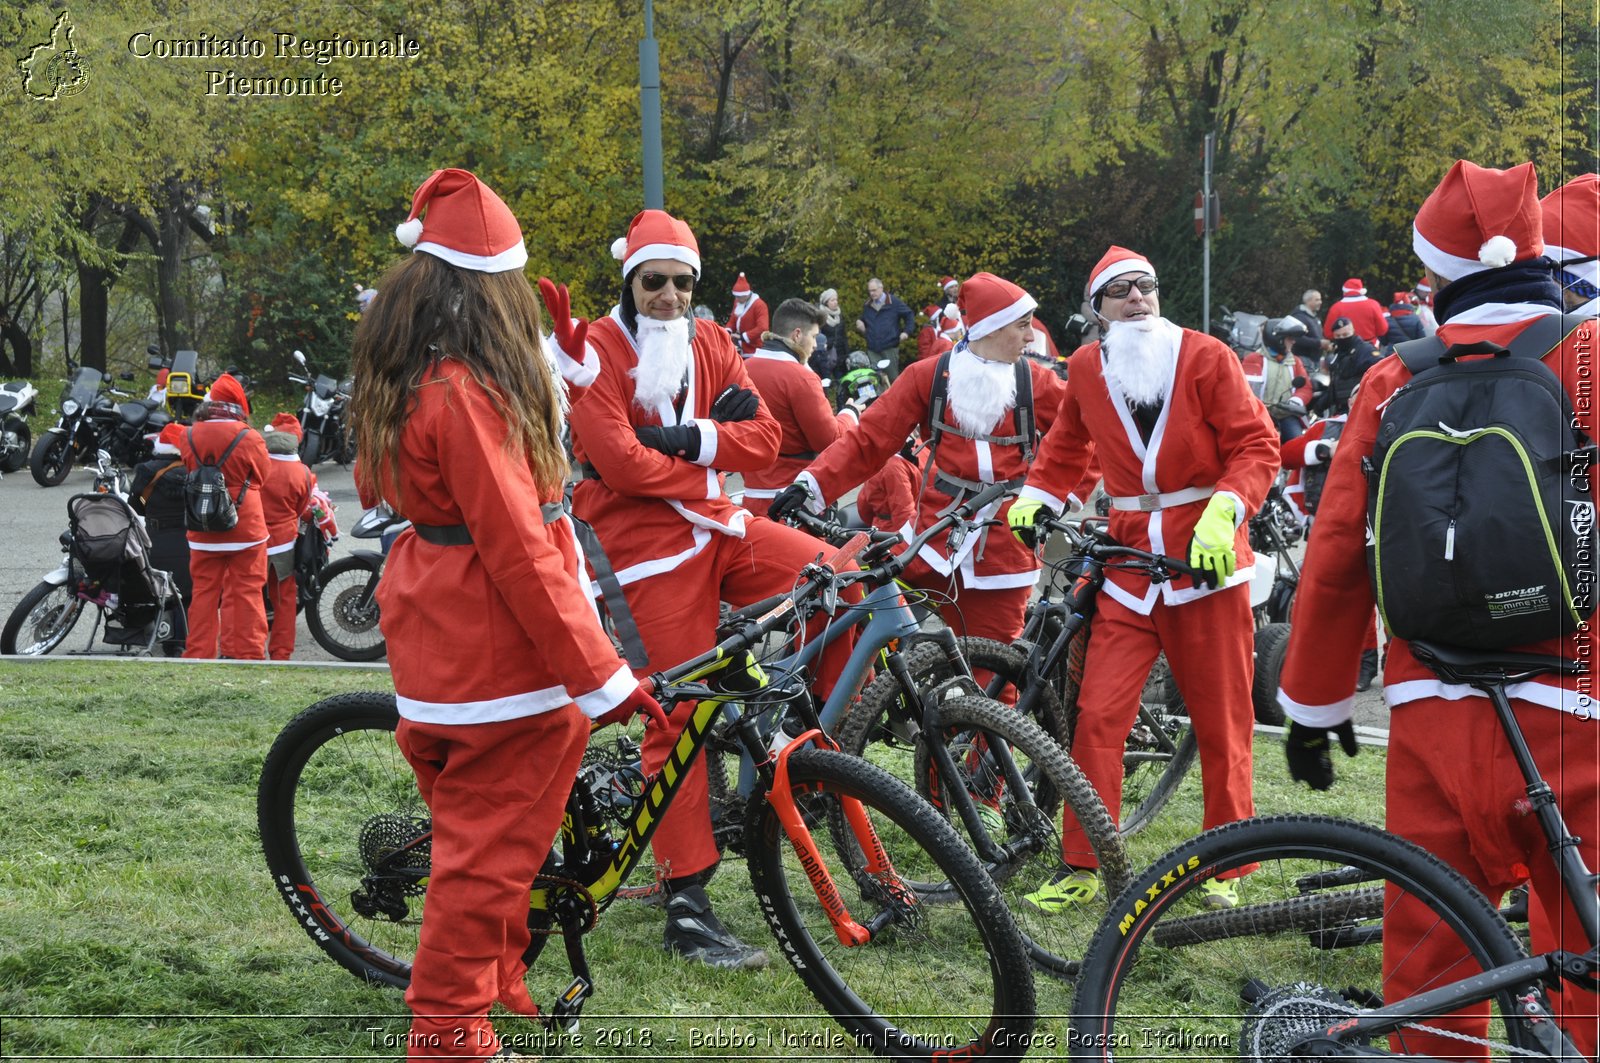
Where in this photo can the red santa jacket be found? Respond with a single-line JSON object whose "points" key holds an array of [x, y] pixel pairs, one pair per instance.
{"points": [[794, 395], [1319, 676], [503, 627], [1255, 374], [1211, 437], [984, 561], [1296, 455], [284, 497], [927, 336], [936, 347], [653, 512], [248, 464], [1366, 316], [748, 324], [888, 500]]}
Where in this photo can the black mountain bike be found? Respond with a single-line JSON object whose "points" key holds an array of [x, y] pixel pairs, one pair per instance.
{"points": [[1297, 972], [840, 857]]}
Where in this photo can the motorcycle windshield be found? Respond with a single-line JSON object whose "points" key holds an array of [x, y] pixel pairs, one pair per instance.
{"points": [[325, 387], [83, 387]]}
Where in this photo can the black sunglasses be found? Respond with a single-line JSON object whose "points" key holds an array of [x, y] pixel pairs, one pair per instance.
{"points": [[1122, 289], [654, 282]]}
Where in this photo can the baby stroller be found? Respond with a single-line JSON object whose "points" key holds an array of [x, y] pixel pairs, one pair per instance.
{"points": [[107, 566]]}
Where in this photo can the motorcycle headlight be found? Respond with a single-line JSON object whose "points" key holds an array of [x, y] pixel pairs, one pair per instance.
{"points": [[320, 406], [69, 407]]}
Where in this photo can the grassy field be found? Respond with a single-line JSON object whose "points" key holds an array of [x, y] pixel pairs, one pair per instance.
{"points": [[137, 919]]}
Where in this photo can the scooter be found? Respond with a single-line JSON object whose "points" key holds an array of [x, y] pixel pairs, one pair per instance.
{"points": [[16, 439]]}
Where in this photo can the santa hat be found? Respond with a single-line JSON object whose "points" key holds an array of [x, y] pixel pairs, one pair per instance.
{"points": [[949, 319], [1113, 264], [1479, 219], [226, 389], [467, 224], [1572, 227], [656, 234], [1353, 288], [741, 287], [167, 441], [1402, 300], [988, 303], [930, 312], [287, 423], [945, 283]]}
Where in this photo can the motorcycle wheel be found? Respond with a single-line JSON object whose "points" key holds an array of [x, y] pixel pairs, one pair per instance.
{"points": [[41, 621], [18, 440], [337, 619], [51, 459], [311, 447]]}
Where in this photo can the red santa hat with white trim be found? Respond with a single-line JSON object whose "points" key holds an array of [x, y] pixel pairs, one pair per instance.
{"points": [[1479, 219], [167, 441], [1354, 288], [467, 225], [656, 234], [988, 303], [741, 287], [1113, 264], [948, 319], [1572, 227]]}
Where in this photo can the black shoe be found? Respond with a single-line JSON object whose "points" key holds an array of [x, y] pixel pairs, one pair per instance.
{"points": [[1369, 669], [695, 933]]}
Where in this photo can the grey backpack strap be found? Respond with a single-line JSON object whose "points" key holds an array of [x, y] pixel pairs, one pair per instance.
{"points": [[633, 650], [1422, 354]]}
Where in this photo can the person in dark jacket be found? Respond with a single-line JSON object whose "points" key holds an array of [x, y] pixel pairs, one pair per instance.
{"points": [[1310, 346], [156, 494], [1348, 362], [1404, 324], [828, 359], [886, 321]]}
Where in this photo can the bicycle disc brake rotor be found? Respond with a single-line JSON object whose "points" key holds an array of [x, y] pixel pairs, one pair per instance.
{"points": [[383, 844], [1281, 1021]]}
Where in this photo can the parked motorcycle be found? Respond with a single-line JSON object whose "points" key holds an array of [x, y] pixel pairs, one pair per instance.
{"points": [[91, 422], [183, 390], [343, 614], [324, 419], [16, 438]]}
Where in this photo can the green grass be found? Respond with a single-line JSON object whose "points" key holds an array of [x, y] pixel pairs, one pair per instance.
{"points": [[137, 919]]}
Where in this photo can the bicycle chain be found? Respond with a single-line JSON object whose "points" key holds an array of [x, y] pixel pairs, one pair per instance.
{"points": [[1419, 1027], [580, 893]]}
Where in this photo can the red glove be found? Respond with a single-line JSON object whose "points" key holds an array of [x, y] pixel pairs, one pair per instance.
{"points": [[571, 333], [642, 701]]}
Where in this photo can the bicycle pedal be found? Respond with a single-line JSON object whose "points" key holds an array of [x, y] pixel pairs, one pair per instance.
{"points": [[565, 1012]]}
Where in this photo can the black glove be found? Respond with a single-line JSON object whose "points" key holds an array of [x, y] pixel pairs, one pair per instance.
{"points": [[673, 440], [735, 404], [789, 501], [1307, 749]]}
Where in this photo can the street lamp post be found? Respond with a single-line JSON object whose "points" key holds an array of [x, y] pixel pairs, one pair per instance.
{"points": [[650, 110]]}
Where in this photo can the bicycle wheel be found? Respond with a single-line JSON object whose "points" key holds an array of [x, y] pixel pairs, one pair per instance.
{"points": [[337, 802], [339, 620], [41, 621], [946, 978], [1271, 649], [1161, 746], [1162, 979], [1026, 823]]}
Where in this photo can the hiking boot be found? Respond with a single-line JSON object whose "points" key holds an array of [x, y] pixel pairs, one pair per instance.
{"points": [[1369, 669], [1218, 894], [1069, 890], [695, 933]]}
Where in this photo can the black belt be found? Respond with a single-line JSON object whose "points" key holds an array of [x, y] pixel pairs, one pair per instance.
{"points": [[443, 534], [171, 524]]}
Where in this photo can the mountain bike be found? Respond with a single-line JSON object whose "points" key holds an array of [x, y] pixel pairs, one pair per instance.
{"points": [[346, 837], [991, 771], [1298, 971]]}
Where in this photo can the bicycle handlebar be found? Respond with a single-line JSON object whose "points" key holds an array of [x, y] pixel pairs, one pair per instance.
{"points": [[1090, 539]]}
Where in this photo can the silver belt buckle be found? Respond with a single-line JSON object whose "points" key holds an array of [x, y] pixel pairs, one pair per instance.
{"points": [[1149, 503]]}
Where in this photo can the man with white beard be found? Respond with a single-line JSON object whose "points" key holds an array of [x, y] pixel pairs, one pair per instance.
{"points": [[1188, 453], [982, 438], [669, 412]]}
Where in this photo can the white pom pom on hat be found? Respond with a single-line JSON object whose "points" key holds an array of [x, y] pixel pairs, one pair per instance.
{"points": [[1498, 251], [619, 248], [409, 232]]}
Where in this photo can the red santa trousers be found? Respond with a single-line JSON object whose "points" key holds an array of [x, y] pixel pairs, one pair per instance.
{"points": [[1454, 789], [227, 617], [676, 613], [1208, 643], [282, 594], [497, 792]]}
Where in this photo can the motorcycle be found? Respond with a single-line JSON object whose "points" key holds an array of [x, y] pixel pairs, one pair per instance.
{"points": [[862, 381], [183, 391], [343, 613], [323, 420], [91, 422], [16, 438]]}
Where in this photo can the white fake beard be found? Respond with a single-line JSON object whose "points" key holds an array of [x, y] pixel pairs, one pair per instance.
{"points": [[1139, 358], [664, 356], [980, 391]]}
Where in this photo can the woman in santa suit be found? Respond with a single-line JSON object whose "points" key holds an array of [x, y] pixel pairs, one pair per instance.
{"points": [[459, 418]]}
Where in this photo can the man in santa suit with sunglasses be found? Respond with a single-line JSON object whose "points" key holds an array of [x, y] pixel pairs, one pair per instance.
{"points": [[671, 410], [1188, 454]]}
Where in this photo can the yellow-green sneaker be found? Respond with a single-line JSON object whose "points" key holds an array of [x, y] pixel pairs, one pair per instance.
{"points": [[1069, 891], [993, 820], [1217, 894]]}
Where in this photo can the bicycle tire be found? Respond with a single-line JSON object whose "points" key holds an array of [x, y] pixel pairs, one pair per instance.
{"points": [[335, 617], [1261, 995], [1271, 649], [44, 623], [966, 953], [334, 790], [971, 727]]}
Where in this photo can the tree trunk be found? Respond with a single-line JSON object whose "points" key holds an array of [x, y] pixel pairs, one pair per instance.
{"points": [[21, 363]]}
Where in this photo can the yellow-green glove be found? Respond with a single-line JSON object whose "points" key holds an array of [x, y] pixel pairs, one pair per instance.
{"points": [[1211, 550], [1023, 518]]}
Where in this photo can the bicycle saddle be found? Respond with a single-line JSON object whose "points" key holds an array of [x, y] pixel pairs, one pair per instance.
{"points": [[1454, 664]]}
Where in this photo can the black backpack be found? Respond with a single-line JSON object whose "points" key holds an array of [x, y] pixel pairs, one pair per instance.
{"points": [[1027, 436], [207, 506], [1480, 520]]}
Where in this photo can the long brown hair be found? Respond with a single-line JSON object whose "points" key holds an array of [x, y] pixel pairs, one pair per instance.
{"points": [[426, 310]]}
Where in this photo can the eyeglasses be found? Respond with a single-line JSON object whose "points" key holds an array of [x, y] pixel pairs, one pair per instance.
{"points": [[1121, 289], [654, 282]]}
